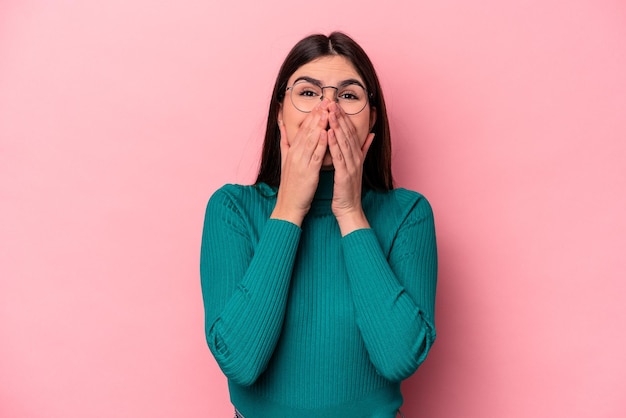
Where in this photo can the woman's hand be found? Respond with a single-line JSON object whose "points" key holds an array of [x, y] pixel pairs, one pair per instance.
{"points": [[348, 157], [301, 161]]}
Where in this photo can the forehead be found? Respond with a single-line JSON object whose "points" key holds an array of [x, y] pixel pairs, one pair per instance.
{"points": [[329, 70]]}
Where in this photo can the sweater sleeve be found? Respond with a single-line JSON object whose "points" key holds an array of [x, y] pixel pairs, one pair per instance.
{"points": [[394, 296], [245, 286]]}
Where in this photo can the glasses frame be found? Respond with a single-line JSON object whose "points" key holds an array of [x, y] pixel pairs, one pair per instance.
{"points": [[290, 88]]}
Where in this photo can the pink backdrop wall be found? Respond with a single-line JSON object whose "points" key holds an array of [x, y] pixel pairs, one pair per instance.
{"points": [[118, 119]]}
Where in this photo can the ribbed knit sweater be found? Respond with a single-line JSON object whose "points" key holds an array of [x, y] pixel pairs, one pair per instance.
{"points": [[307, 323]]}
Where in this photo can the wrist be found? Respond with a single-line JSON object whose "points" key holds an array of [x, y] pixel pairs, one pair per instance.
{"points": [[351, 221], [287, 214]]}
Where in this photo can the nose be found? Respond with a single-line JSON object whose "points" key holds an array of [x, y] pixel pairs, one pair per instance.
{"points": [[333, 97]]}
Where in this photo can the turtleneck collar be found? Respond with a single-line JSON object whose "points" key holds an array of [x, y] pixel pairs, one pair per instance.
{"points": [[321, 204], [322, 199], [325, 186]]}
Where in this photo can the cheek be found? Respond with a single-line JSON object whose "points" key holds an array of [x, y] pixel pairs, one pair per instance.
{"points": [[292, 120], [362, 128], [291, 133]]}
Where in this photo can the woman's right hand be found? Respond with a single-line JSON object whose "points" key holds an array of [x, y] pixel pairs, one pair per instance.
{"points": [[301, 161]]}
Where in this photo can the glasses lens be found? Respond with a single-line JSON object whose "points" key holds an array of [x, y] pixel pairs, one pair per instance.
{"points": [[305, 95], [352, 98]]}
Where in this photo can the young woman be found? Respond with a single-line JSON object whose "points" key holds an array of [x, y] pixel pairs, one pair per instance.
{"points": [[319, 280]]}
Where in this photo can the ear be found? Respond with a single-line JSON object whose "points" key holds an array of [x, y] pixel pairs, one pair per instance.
{"points": [[372, 117]]}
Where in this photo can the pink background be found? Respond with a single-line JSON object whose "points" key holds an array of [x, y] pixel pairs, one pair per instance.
{"points": [[119, 118]]}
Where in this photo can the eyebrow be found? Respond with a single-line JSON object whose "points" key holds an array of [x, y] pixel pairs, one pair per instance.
{"points": [[317, 82]]}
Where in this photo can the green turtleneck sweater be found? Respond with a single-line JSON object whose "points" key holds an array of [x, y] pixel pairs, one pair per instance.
{"points": [[307, 323]]}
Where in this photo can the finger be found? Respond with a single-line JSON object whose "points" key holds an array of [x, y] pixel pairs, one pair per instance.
{"points": [[347, 128], [313, 118], [333, 116], [311, 146], [322, 107], [345, 139], [320, 150], [315, 132], [335, 151], [316, 123], [310, 128]]}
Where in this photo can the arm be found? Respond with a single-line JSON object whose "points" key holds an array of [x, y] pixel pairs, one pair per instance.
{"points": [[394, 298], [245, 287], [246, 283]]}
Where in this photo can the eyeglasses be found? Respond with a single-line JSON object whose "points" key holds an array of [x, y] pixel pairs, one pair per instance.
{"points": [[352, 97]]}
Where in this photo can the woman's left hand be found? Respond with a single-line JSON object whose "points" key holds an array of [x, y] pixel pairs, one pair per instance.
{"points": [[348, 157]]}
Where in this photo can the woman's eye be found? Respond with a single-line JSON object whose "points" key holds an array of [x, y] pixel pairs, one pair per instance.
{"points": [[348, 96], [308, 93]]}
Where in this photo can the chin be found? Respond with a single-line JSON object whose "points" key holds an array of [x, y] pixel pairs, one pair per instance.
{"points": [[327, 164]]}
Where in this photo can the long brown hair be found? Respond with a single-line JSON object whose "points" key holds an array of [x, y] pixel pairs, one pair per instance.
{"points": [[377, 167]]}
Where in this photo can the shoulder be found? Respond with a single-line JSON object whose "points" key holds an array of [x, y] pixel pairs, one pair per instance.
{"points": [[398, 204], [242, 201], [238, 193], [418, 205], [390, 212]]}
